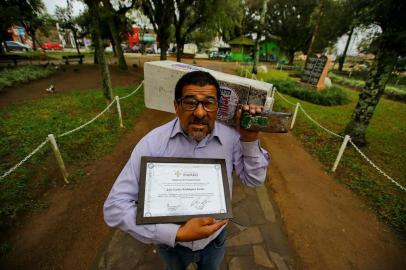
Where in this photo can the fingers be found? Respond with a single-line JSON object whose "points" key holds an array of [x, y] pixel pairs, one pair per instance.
{"points": [[206, 221], [215, 226], [198, 228], [252, 109]]}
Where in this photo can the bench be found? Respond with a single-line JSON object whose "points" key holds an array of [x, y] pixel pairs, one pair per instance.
{"points": [[10, 58], [76, 57]]}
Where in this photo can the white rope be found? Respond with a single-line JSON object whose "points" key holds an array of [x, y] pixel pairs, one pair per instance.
{"points": [[24, 159], [375, 166], [66, 133], [315, 122], [285, 99], [139, 86], [87, 123]]}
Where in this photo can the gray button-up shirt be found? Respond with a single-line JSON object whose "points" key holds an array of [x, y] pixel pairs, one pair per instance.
{"points": [[246, 158]]}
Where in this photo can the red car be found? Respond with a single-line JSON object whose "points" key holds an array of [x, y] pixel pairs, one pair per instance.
{"points": [[51, 46]]}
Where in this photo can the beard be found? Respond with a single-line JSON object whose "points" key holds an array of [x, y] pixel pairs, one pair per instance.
{"points": [[199, 133]]}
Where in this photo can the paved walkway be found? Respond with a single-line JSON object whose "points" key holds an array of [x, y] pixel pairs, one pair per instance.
{"points": [[256, 242]]}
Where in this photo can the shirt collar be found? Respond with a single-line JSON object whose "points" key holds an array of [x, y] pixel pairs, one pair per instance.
{"points": [[177, 129]]}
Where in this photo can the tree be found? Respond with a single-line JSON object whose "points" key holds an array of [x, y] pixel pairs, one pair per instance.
{"points": [[33, 16], [224, 20], [160, 13], [117, 20], [94, 9], [253, 24], [26, 13], [390, 46], [67, 21], [290, 20], [352, 11], [189, 15]]}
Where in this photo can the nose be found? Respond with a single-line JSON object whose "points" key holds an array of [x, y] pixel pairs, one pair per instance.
{"points": [[199, 112]]}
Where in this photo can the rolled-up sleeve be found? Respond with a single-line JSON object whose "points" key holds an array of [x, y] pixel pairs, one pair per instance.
{"points": [[120, 207], [250, 162]]}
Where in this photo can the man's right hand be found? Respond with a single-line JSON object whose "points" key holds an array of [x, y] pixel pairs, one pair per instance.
{"points": [[198, 228]]}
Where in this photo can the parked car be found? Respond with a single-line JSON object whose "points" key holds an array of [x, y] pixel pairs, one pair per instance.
{"points": [[128, 49], [150, 50], [51, 46], [16, 46]]}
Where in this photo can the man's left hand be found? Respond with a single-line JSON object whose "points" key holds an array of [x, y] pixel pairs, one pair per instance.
{"points": [[247, 135]]}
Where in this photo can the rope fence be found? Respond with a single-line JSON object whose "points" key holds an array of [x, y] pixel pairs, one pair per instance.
{"points": [[298, 107], [53, 143], [346, 139]]}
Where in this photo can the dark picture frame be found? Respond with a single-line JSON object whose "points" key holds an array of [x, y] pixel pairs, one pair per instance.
{"points": [[141, 219]]}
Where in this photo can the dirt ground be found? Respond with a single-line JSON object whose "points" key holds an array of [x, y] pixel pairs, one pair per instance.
{"points": [[340, 233], [67, 78]]}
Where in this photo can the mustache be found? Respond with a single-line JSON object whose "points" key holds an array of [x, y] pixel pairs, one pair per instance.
{"points": [[201, 121]]}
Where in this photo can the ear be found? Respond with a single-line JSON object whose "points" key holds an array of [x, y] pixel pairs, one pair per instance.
{"points": [[176, 105]]}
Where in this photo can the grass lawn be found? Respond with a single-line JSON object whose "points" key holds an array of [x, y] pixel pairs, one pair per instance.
{"points": [[10, 76], [58, 54], [25, 126], [387, 146]]}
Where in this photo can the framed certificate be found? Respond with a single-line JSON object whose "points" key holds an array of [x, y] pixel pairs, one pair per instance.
{"points": [[177, 189]]}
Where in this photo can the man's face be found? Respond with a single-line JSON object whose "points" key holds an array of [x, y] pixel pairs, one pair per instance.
{"points": [[199, 122]]}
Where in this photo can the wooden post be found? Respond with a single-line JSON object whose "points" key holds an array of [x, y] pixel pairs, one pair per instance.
{"points": [[294, 115], [119, 111], [341, 152], [58, 157]]}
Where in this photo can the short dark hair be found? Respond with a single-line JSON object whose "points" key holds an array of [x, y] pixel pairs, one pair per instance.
{"points": [[200, 78]]}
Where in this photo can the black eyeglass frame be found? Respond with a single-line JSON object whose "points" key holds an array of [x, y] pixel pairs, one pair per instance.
{"points": [[180, 100]]}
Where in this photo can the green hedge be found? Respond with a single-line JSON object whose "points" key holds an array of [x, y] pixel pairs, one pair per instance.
{"points": [[10, 76], [328, 97], [391, 92]]}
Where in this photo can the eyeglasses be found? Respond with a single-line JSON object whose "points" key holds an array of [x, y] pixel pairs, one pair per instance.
{"points": [[190, 104]]}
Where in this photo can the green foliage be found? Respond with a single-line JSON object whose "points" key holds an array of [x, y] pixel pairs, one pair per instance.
{"points": [[328, 97], [386, 150], [26, 125], [290, 20], [23, 74], [335, 21], [397, 93]]}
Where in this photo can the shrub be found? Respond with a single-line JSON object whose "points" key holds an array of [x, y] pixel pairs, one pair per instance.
{"points": [[23, 74], [328, 97], [397, 93]]}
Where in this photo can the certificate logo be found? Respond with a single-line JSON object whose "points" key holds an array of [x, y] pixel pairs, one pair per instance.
{"points": [[178, 173]]}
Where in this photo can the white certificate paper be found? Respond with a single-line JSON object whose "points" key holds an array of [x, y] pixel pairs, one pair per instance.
{"points": [[193, 187]]}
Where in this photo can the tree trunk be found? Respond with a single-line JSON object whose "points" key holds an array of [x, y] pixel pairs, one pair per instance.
{"points": [[370, 95], [95, 59], [2, 49], [256, 55], [103, 66], [342, 58], [113, 45], [164, 42], [179, 50], [259, 35], [316, 28], [34, 40], [291, 57], [164, 48], [75, 38], [117, 44]]}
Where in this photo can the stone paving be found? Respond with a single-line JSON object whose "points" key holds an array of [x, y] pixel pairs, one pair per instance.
{"points": [[255, 239]]}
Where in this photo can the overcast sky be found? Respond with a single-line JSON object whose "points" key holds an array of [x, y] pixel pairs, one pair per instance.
{"points": [[51, 4]]}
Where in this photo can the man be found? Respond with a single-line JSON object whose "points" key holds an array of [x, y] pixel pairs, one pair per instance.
{"points": [[195, 133]]}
